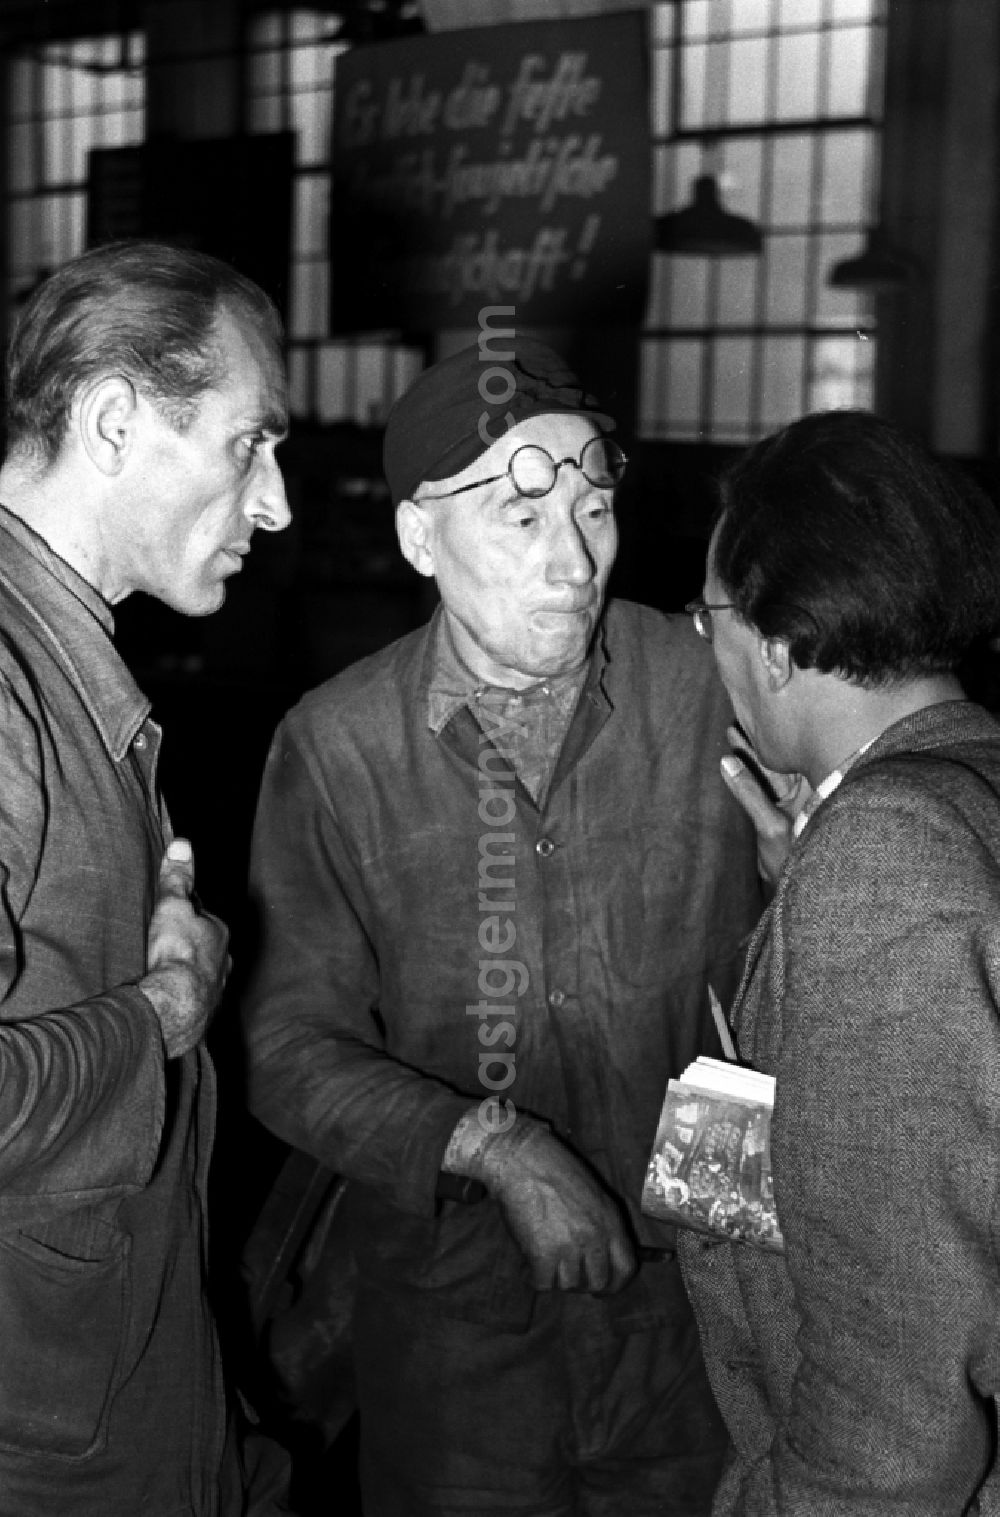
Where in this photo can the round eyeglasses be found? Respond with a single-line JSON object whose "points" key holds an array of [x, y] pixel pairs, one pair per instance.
{"points": [[701, 613], [533, 471]]}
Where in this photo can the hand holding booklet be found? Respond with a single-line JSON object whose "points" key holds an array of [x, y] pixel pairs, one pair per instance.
{"points": [[710, 1168]]}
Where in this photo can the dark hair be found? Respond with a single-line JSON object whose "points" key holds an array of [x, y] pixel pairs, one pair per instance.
{"points": [[874, 560], [145, 310]]}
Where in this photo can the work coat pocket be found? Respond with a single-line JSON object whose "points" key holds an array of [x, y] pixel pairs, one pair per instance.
{"points": [[64, 1300]]}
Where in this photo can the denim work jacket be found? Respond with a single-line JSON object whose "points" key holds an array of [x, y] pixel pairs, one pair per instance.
{"points": [[110, 1395], [432, 939], [859, 1372]]}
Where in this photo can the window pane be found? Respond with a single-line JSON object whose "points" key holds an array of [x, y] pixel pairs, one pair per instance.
{"points": [[112, 93], [21, 74], [134, 125], [267, 114], [309, 300], [731, 400], [662, 30], [781, 380], [840, 308], [311, 215], [696, 18], [371, 385], [741, 175], [800, 13], [75, 212], [265, 73], [688, 299], [717, 83], [685, 365], [658, 302], [787, 280], [747, 80], [841, 373], [21, 222], [661, 80], [83, 88], [310, 119], [652, 387], [104, 51], [737, 291], [266, 30], [690, 161], [845, 159], [856, 10], [47, 227], [332, 385], [299, 382], [848, 73], [694, 78], [406, 365], [791, 181], [305, 25], [663, 176], [20, 168], [751, 15], [58, 150], [798, 76], [308, 67], [109, 131]]}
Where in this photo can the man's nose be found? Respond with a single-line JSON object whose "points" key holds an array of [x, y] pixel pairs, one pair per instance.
{"points": [[569, 558], [268, 506]]}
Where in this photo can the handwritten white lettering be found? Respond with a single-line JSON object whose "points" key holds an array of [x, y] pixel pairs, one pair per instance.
{"points": [[569, 91]]}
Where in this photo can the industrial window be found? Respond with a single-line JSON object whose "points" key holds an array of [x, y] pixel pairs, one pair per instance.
{"points": [[64, 99], [780, 100], [290, 58]]}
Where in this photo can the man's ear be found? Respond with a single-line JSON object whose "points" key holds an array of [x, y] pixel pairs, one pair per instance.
{"points": [[416, 537], [777, 661], [107, 413]]}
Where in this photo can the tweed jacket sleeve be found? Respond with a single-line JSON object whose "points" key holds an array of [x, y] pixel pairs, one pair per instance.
{"points": [[875, 1005]]}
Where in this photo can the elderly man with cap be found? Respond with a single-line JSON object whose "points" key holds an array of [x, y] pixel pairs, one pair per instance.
{"points": [[497, 877]]}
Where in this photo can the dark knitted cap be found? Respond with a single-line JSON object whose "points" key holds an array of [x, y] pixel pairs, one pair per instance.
{"points": [[461, 406]]}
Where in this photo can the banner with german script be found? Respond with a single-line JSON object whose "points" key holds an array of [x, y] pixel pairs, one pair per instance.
{"points": [[496, 166]]}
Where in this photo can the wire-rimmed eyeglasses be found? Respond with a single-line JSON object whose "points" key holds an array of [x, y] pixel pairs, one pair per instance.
{"points": [[700, 612], [533, 471]]}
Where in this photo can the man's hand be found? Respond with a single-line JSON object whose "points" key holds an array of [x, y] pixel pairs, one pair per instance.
{"points": [[771, 801], [570, 1229], [186, 955]]}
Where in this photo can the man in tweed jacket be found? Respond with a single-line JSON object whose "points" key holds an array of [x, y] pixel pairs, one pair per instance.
{"points": [[847, 577]]}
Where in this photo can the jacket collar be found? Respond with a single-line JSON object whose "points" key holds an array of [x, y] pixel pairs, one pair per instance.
{"points": [[937, 726], [78, 627]]}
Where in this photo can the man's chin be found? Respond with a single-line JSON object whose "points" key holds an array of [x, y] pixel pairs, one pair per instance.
{"points": [[201, 602], [549, 657]]}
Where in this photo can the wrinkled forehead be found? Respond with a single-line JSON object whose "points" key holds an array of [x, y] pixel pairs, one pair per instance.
{"points": [[563, 434], [253, 369]]}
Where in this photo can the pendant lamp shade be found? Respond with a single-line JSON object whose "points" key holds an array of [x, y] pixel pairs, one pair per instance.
{"points": [[704, 228], [876, 268]]}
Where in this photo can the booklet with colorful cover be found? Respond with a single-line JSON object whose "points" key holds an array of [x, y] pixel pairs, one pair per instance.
{"points": [[710, 1167]]}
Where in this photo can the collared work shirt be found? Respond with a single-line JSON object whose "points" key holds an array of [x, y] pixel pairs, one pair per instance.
{"points": [[405, 886], [110, 1396]]}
